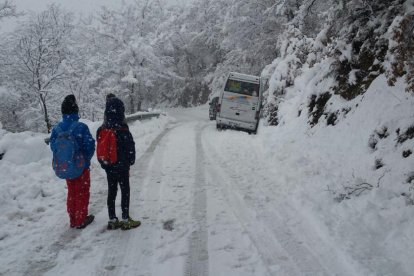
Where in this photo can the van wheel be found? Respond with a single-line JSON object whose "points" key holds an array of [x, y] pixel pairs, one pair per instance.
{"points": [[219, 127], [255, 130]]}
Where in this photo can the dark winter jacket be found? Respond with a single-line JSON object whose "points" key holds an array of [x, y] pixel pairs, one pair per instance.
{"points": [[115, 120], [81, 132]]}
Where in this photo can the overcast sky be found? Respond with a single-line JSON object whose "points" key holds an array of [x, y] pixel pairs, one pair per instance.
{"points": [[78, 6]]}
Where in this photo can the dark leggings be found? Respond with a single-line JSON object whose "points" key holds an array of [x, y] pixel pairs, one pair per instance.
{"points": [[121, 178]]}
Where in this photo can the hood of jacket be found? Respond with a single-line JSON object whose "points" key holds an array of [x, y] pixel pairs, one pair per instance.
{"points": [[68, 119], [114, 113]]}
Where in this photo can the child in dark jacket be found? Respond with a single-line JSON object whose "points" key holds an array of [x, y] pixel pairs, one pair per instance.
{"points": [[78, 188], [116, 153]]}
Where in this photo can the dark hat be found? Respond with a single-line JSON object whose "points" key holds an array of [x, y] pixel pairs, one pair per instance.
{"points": [[110, 95], [69, 105]]}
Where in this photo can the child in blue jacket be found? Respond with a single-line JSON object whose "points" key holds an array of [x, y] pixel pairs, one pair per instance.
{"points": [[78, 188]]}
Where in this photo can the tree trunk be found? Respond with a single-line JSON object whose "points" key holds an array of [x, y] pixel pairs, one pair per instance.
{"points": [[47, 121], [131, 99], [272, 117], [139, 98]]}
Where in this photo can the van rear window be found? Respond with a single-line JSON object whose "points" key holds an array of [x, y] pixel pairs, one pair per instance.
{"points": [[241, 87]]}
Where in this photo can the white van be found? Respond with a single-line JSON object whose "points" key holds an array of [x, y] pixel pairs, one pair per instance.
{"points": [[240, 102]]}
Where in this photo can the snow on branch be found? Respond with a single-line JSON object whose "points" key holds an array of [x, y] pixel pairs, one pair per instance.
{"points": [[8, 9], [130, 79], [354, 190]]}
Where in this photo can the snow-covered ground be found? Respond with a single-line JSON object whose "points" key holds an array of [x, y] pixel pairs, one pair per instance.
{"points": [[226, 203], [34, 223]]}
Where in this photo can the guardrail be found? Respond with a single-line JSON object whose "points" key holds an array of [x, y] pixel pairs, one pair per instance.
{"points": [[129, 119], [140, 117]]}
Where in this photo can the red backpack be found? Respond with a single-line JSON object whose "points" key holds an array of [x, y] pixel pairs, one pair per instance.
{"points": [[106, 150]]}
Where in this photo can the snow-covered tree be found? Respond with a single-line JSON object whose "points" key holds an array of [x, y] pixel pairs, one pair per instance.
{"points": [[8, 9], [148, 54], [36, 60], [356, 40], [130, 36]]}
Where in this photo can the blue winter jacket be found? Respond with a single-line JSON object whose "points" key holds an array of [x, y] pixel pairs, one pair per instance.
{"points": [[81, 133]]}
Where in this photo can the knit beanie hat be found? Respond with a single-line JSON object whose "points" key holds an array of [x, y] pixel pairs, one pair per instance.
{"points": [[110, 95], [69, 105]]}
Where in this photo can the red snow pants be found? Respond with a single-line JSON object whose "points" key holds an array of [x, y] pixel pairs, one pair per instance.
{"points": [[78, 198]]}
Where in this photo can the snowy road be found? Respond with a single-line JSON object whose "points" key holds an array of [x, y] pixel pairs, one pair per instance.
{"points": [[211, 206], [209, 203], [284, 239]]}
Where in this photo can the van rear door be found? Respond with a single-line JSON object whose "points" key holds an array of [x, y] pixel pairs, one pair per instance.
{"points": [[240, 100]]}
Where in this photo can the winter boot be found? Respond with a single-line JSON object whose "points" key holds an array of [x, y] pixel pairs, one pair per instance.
{"points": [[87, 221], [113, 224], [129, 223]]}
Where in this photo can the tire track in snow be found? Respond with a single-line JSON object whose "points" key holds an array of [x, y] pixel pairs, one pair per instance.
{"points": [[198, 261], [134, 248], [273, 255], [305, 248], [299, 233]]}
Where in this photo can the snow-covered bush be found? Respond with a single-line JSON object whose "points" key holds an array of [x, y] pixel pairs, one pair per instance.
{"points": [[358, 42], [333, 81]]}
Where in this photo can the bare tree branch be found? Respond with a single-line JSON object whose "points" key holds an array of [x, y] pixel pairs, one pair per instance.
{"points": [[8, 9]]}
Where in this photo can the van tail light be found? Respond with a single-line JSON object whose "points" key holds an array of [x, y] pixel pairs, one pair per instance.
{"points": [[257, 115], [218, 107]]}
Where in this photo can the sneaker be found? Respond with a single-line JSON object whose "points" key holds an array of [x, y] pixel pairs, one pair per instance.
{"points": [[87, 221], [129, 223], [113, 224]]}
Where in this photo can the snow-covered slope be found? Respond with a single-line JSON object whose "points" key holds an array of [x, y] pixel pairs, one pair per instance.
{"points": [[354, 178], [343, 136]]}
